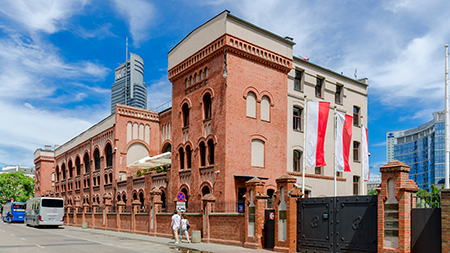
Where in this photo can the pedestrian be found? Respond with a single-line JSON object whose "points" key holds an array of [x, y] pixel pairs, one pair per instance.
{"points": [[184, 228], [175, 225]]}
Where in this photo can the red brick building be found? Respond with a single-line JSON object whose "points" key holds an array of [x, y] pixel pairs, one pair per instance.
{"points": [[234, 87]]}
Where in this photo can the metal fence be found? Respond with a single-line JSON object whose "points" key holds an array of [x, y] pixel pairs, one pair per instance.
{"points": [[426, 200]]}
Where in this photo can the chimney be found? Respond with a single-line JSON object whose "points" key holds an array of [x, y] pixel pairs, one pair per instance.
{"points": [[48, 147]]}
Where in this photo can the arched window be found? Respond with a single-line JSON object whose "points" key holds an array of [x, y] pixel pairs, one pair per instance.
{"points": [[118, 198], [205, 190], [202, 154], [207, 105], [86, 163], [95, 181], [251, 105], [265, 108], [187, 82], [141, 199], [124, 198], [63, 169], [57, 174], [185, 110], [257, 153], [106, 178], [206, 72], [184, 190], [134, 196], [97, 159], [110, 178], [167, 148], [196, 77], [188, 157], [297, 160], [201, 75], [109, 158], [211, 151], [70, 169], [78, 165], [191, 80], [181, 153]]}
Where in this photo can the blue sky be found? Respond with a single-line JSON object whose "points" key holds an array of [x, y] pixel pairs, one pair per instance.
{"points": [[58, 58]]}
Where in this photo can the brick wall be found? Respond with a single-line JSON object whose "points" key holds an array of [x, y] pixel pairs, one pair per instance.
{"points": [[445, 216], [125, 222], [227, 229], [142, 223]]}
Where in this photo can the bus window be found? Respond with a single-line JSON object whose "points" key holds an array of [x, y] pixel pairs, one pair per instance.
{"points": [[52, 203], [19, 207]]}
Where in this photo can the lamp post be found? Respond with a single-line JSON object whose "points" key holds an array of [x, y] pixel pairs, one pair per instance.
{"points": [[447, 149]]}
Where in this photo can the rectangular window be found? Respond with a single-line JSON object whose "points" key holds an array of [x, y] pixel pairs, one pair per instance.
{"points": [[319, 87], [298, 80], [257, 153], [338, 95], [355, 151], [297, 160], [355, 116], [318, 171], [297, 114], [338, 174], [355, 185]]}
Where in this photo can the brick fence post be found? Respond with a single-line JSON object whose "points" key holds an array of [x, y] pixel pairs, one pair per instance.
{"points": [[85, 206], [108, 203], [120, 206], [254, 214], [95, 206], [395, 196], [285, 206], [77, 208], [445, 220], [208, 201], [136, 205], [156, 206]]}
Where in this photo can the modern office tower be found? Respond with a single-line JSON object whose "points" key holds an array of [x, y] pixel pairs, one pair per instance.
{"points": [[391, 141], [422, 148], [129, 87]]}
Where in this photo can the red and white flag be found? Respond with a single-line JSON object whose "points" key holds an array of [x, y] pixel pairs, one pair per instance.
{"points": [[344, 124], [365, 153], [316, 126]]}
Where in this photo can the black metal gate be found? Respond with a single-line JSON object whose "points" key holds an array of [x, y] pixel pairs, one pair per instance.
{"points": [[426, 228], [269, 229], [337, 224]]}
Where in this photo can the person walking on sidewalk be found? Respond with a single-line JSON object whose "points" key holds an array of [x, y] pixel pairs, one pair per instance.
{"points": [[184, 228], [175, 225]]}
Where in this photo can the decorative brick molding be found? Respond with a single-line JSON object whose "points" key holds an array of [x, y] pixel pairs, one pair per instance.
{"points": [[403, 188]]}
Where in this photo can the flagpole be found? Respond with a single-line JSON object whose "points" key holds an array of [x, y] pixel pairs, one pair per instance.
{"points": [[304, 148], [362, 160], [334, 154]]}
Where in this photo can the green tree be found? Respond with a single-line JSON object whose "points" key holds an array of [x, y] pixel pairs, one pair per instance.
{"points": [[373, 192], [15, 185]]}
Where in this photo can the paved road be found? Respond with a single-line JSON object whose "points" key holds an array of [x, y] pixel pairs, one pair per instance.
{"points": [[17, 237]]}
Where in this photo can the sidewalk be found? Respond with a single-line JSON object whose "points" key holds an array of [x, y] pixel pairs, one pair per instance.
{"points": [[205, 247]]}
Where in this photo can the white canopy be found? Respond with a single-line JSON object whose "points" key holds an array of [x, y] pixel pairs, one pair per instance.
{"points": [[152, 162]]}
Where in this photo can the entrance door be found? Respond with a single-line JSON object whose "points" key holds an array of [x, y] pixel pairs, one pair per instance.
{"points": [[269, 229]]}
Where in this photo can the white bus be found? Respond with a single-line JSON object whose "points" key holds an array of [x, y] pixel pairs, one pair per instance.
{"points": [[44, 211]]}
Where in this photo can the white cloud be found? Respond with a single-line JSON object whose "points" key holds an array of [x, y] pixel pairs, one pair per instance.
{"points": [[28, 128], [41, 15], [159, 92], [138, 14]]}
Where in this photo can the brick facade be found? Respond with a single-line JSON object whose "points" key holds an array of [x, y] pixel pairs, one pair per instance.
{"points": [[445, 215]]}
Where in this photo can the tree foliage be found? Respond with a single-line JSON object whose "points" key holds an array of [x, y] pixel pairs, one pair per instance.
{"points": [[430, 199], [373, 192], [15, 185]]}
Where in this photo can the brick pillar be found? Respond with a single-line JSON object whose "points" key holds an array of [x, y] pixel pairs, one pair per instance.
{"points": [[136, 205], [85, 206], [254, 214], [77, 208], [445, 220], [208, 201], [108, 203], [395, 193], [285, 206], [93, 211], [120, 206], [156, 207]]}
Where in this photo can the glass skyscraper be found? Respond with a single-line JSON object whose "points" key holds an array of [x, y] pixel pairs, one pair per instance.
{"points": [[422, 148], [129, 87]]}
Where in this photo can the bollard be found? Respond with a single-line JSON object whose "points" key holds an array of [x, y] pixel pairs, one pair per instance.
{"points": [[196, 236]]}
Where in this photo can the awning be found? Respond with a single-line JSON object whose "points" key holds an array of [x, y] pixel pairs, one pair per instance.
{"points": [[152, 162]]}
